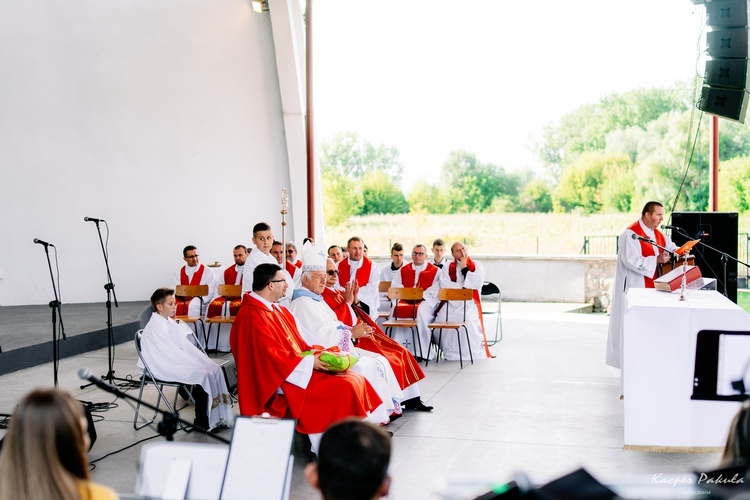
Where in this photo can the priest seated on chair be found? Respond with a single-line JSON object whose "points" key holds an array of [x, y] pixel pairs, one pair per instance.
{"points": [[194, 273], [280, 374], [171, 356], [463, 272], [417, 274]]}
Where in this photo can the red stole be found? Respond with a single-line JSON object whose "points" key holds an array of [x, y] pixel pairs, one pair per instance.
{"points": [[405, 367], [180, 302], [363, 272], [290, 268], [477, 301], [647, 249], [196, 279], [266, 346], [230, 276], [408, 308], [426, 277], [298, 263]]}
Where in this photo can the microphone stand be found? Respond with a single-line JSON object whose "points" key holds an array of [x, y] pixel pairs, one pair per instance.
{"points": [[110, 288], [56, 307], [724, 256], [167, 427]]}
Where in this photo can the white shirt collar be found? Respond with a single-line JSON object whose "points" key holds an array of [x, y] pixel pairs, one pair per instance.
{"points": [[266, 303]]}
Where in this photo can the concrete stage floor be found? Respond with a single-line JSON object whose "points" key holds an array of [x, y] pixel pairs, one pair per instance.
{"points": [[546, 405]]}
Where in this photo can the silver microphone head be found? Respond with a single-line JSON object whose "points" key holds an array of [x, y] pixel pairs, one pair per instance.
{"points": [[84, 373]]}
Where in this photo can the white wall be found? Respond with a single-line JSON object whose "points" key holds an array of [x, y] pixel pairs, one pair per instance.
{"points": [[161, 116]]}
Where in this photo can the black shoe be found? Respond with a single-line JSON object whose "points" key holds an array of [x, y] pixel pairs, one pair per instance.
{"points": [[394, 416], [415, 404]]}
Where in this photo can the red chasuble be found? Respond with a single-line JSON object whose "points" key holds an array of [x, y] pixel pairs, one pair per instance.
{"points": [[408, 308], [182, 303], [477, 301], [216, 307], [363, 272], [647, 249], [266, 346], [404, 365]]}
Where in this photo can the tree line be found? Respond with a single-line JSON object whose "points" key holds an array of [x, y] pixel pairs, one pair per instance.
{"points": [[606, 156]]}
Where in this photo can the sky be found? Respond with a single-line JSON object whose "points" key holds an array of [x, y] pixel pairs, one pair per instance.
{"points": [[432, 76]]}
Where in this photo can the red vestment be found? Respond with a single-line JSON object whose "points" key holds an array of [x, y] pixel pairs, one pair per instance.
{"points": [[182, 303], [291, 268], [404, 365], [266, 346], [477, 301], [215, 308], [647, 249], [408, 308], [362, 275]]}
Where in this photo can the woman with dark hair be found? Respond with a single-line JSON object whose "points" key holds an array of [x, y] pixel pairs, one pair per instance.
{"points": [[44, 452]]}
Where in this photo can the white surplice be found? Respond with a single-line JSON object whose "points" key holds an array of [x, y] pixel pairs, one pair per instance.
{"points": [[256, 258], [319, 325], [473, 280], [171, 356], [208, 278], [632, 269]]}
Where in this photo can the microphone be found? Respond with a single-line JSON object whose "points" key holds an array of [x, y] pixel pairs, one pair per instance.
{"points": [[86, 374], [40, 242], [673, 228], [636, 237], [91, 219]]}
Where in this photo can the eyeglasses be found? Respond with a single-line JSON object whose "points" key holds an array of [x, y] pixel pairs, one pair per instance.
{"points": [[418, 253], [277, 281], [332, 272]]}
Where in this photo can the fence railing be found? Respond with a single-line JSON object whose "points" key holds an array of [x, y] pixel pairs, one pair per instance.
{"points": [[599, 245]]}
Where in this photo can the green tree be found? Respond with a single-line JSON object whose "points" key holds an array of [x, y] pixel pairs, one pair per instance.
{"points": [[734, 184], [579, 184], [349, 154], [472, 185], [535, 197], [380, 195], [341, 198], [586, 128], [424, 197]]}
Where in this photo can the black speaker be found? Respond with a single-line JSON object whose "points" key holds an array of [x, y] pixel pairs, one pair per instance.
{"points": [[727, 73], [726, 13], [727, 103], [729, 42], [718, 230]]}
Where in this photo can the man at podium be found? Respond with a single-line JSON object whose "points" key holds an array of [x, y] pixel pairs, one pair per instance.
{"points": [[638, 256]]}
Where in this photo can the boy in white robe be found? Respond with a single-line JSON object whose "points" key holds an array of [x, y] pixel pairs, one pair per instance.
{"points": [[170, 355]]}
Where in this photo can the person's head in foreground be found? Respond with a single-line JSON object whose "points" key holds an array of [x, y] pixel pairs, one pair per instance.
{"points": [[737, 449], [44, 453], [352, 462]]}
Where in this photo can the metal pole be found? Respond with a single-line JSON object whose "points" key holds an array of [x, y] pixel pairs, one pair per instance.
{"points": [[713, 165], [309, 121]]}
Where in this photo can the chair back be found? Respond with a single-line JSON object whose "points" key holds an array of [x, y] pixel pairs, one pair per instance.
{"points": [[489, 288], [400, 293], [463, 294], [384, 286], [230, 291], [191, 291], [146, 369]]}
